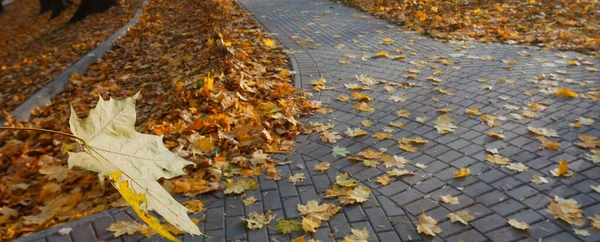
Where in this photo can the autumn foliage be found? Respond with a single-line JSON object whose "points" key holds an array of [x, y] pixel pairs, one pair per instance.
{"points": [[209, 84], [557, 24], [35, 49]]}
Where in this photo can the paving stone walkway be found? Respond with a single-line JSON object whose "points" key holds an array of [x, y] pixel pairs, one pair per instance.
{"points": [[493, 194]]}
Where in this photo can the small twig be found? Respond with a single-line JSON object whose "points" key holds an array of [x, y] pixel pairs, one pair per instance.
{"points": [[48, 131]]}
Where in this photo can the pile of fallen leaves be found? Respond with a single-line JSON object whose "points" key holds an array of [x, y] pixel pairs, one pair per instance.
{"points": [[211, 82], [35, 49], [563, 25]]}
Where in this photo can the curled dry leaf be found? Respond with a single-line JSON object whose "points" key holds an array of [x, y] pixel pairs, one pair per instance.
{"points": [[358, 235], [543, 131], [251, 200], [194, 206], [546, 143], [463, 172], [595, 222], [445, 124], [124, 227], [519, 167], [397, 172], [567, 210], [538, 179], [258, 220], [354, 132], [323, 166], [287, 226], [382, 136], [497, 159], [313, 214], [518, 225], [298, 177], [566, 93], [496, 135], [449, 199], [595, 188], [344, 180], [383, 180], [428, 225], [462, 216], [562, 169], [363, 107], [582, 232], [367, 123], [594, 156]]}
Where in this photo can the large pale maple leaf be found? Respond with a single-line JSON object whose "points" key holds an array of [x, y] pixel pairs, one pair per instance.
{"points": [[133, 161]]}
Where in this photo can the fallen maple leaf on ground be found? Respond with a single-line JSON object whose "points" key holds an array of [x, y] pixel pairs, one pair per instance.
{"points": [[567, 210], [462, 216], [124, 227], [518, 225], [313, 214], [428, 225], [257, 221], [445, 124], [358, 235]]}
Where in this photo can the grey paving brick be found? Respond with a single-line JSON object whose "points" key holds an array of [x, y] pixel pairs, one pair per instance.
{"points": [[507, 207], [378, 219], [470, 235], [489, 223], [389, 206], [507, 233]]}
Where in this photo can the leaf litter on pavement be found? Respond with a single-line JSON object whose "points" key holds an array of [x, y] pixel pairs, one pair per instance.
{"points": [[227, 122]]}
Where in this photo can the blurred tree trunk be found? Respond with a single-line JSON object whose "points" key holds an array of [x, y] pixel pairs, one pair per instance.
{"points": [[87, 7], [1, 7], [56, 6]]}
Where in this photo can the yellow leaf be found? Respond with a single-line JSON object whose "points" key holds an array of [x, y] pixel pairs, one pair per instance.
{"points": [[497, 159], [562, 169], [496, 135], [403, 113], [323, 166], [257, 220], [383, 180], [462, 216], [209, 82], [428, 225], [567, 210], [518, 225], [565, 92], [397, 124], [124, 227], [194, 206], [407, 147], [382, 136], [370, 154], [138, 203], [358, 235], [360, 97], [463, 172], [269, 42], [133, 160], [444, 124], [367, 123], [548, 143], [313, 214], [449, 199], [472, 111], [363, 107]]}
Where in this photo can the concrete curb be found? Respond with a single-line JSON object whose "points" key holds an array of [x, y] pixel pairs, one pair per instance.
{"points": [[44, 95]]}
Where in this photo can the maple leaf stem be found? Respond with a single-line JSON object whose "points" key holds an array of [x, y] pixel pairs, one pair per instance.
{"points": [[48, 131]]}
